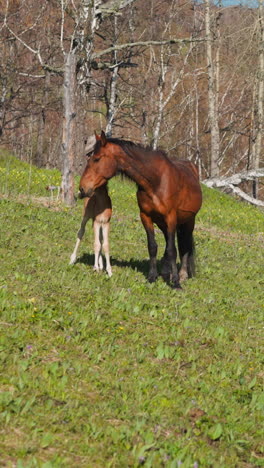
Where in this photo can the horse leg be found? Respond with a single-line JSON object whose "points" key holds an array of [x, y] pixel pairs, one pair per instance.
{"points": [[152, 246], [105, 229], [186, 250], [170, 256], [100, 258], [98, 262], [166, 264], [79, 238]]}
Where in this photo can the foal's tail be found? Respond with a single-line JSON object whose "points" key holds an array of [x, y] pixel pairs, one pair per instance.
{"points": [[101, 234]]}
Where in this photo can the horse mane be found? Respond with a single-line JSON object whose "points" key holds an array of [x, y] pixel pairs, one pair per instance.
{"points": [[142, 152]]}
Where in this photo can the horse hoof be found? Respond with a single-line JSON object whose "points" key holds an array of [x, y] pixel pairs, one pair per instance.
{"points": [[177, 286], [183, 276], [166, 278], [152, 279], [72, 260]]}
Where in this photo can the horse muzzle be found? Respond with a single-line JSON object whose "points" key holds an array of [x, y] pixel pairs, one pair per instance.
{"points": [[83, 194]]}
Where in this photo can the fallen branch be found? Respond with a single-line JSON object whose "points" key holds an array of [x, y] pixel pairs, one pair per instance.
{"points": [[245, 196], [236, 179]]}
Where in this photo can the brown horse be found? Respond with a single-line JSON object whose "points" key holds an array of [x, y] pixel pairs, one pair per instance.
{"points": [[98, 208], [169, 195]]}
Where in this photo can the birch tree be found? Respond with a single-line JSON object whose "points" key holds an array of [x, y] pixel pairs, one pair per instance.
{"points": [[80, 55], [258, 123], [79, 22], [213, 92]]}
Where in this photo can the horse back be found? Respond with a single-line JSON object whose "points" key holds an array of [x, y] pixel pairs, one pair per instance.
{"points": [[184, 163], [189, 193]]}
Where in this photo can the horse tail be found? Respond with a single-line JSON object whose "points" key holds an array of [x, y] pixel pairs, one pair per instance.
{"points": [[186, 247], [192, 259]]}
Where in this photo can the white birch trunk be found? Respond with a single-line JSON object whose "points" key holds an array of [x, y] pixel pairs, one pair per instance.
{"points": [[111, 111], [68, 134], [161, 83], [112, 102], [212, 94], [259, 124]]}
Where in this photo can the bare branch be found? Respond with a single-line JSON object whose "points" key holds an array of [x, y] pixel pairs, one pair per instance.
{"points": [[117, 47], [45, 66], [113, 6]]}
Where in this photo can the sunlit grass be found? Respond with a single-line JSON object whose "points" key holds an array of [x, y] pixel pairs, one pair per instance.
{"points": [[117, 372], [18, 177]]}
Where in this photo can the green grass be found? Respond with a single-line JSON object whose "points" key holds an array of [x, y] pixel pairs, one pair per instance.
{"points": [[99, 372], [18, 177]]}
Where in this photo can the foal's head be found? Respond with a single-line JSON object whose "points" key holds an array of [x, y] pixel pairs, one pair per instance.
{"points": [[101, 166]]}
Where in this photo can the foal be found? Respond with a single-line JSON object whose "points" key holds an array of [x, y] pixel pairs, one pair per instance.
{"points": [[99, 209], [169, 195]]}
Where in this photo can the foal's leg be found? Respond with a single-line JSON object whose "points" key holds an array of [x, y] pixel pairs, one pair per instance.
{"points": [[186, 249], [100, 258], [79, 238], [98, 263], [105, 229], [152, 246]]}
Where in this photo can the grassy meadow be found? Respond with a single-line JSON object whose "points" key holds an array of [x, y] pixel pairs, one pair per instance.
{"points": [[116, 372]]}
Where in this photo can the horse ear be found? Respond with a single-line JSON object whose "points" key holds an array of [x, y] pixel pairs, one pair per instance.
{"points": [[103, 138], [97, 137]]}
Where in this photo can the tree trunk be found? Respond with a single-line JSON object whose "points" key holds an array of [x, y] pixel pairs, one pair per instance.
{"points": [[111, 111], [260, 95], [68, 135], [213, 73]]}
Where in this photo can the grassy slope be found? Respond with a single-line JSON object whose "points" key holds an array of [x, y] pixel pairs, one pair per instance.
{"points": [[116, 372]]}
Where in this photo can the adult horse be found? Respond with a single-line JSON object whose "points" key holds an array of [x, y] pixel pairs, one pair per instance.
{"points": [[169, 195]]}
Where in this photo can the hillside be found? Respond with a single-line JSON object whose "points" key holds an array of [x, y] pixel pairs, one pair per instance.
{"points": [[117, 372]]}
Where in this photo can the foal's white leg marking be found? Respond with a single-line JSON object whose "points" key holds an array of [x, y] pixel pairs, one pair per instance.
{"points": [[79, 238], [97, 245], [74, 253], [100, 261], [105, 228]]}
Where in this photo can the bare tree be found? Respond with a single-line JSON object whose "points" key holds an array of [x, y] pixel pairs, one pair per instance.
{"points": [[213, 91], [79, 22], [258, 122], [164, 101]]}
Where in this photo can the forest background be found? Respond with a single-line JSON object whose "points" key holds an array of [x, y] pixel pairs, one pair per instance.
{"points": [[182, 75]]}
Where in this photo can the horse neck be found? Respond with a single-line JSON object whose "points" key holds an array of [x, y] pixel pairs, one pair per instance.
{"points": [[138, 169]]}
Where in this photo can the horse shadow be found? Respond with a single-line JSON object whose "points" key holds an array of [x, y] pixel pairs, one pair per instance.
{"points": [[137, 265], [141, 266]]}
